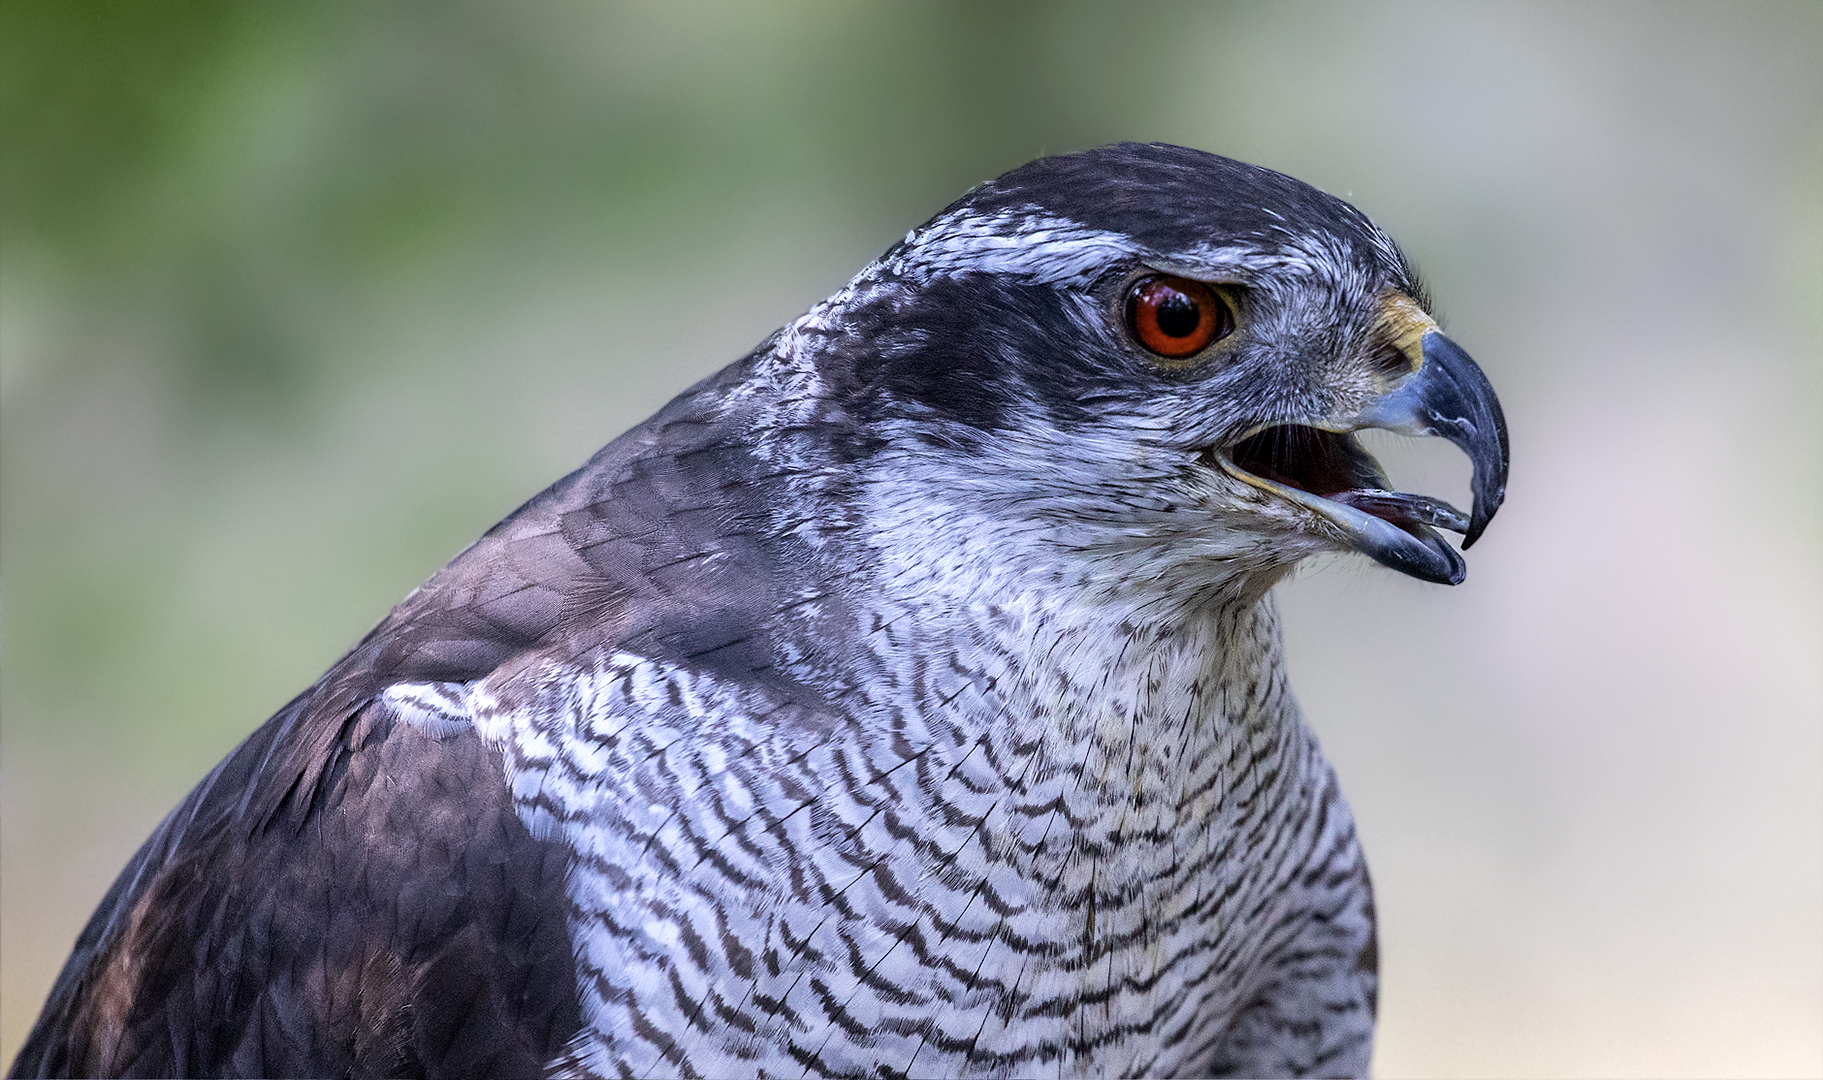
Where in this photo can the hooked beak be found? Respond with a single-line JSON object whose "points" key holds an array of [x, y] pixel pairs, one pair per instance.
{"points": [[1317, 464]]}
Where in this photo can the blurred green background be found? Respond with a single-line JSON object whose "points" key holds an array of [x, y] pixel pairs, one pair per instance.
{"points": [[296, 300]]}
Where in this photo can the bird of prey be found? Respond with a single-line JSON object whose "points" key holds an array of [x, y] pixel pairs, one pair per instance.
{"points": [[904, 700]]}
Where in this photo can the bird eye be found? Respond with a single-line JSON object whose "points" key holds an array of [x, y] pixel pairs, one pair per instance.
{"points": [[1175, 317]]}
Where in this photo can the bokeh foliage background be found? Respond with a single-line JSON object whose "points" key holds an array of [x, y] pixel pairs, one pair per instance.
{"points": [[295, 300]]}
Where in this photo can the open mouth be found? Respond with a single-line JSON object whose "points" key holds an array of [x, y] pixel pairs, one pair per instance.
{"points": [[1318, 465], [1329, 466], [1328, 472]]}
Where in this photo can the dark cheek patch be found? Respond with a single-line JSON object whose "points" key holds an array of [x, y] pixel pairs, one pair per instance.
{"points": [[976, 353], [928, 361]]}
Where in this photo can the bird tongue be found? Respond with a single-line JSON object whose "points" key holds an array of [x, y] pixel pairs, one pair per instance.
{"points": [[1403, 508]]}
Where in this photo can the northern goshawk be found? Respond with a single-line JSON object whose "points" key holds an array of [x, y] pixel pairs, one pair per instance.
{"points": [[904, 700]]}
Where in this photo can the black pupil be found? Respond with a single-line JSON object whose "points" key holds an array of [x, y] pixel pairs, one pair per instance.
{"points": [[1177, 314]]}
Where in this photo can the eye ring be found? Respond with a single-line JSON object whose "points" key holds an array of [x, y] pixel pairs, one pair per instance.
{"points": [[1175, 317]]}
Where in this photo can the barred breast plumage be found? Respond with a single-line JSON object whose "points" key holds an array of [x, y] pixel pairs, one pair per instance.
{"points": [[905, 700]]}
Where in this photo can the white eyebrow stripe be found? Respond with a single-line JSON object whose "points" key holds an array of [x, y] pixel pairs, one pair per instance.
{"points": [[1037, 247], [1028, 244]]}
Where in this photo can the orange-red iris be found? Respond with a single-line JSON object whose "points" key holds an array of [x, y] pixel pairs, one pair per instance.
{"points": [[1176, 317]]}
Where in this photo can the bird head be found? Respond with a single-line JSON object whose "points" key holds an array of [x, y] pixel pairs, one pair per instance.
{"points": [[1157, 358]]}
